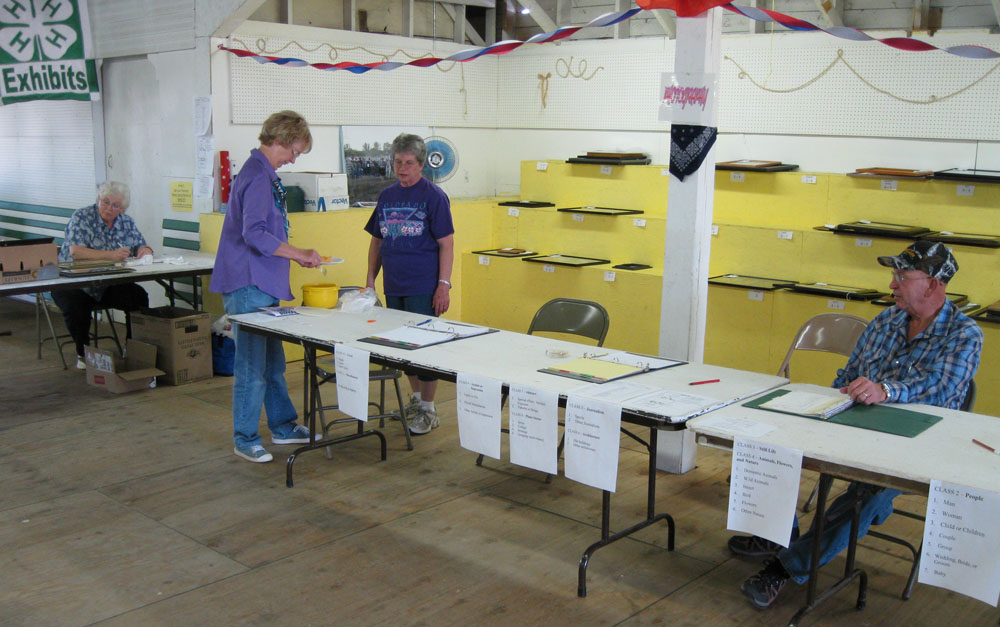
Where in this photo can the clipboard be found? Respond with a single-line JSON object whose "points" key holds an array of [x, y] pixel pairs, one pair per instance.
{"points": [[412, 337], [882, 418], [609, 366]]}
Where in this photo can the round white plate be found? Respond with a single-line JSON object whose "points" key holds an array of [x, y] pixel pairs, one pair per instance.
{"points": [[333, 261]]}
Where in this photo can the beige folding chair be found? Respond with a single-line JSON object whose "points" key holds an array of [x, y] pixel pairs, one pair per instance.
{"points": [[584, 318], [828, 333], [325, 372]]}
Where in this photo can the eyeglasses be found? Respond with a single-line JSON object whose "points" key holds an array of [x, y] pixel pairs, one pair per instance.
{"points": [[400, 162], [898, 278], [114, 205]]}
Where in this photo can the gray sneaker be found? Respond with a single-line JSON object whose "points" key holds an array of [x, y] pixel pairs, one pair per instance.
{"points": [[410, 409], [253, 453], [423, 421]]}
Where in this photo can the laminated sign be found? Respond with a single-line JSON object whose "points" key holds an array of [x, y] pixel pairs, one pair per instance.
{"points": [[45, 51]]}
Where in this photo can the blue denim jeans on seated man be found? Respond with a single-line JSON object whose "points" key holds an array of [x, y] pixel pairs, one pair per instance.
{"points": [[258, 374], [876, 506]]}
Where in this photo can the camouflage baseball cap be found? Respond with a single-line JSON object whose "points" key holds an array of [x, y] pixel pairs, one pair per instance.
{"points": [[934, 258]]}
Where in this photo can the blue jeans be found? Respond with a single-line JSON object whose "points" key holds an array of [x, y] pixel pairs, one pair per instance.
{"points": [[258, 374], [875, 508], [421, 304]]}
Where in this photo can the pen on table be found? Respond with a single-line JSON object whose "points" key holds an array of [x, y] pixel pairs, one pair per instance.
{"points": [[420, 324], [986, 446], [704, 382]]}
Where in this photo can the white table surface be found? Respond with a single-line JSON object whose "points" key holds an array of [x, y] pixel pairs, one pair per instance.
{"points": [[945, 451], [513, 358], [192, 261]]}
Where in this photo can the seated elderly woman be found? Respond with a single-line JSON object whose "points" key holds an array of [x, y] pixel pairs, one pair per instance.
{"points": [[100, 232]]}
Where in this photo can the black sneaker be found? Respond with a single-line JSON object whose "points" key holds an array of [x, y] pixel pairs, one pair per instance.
{"points": [[753, 546], [762, 589]]}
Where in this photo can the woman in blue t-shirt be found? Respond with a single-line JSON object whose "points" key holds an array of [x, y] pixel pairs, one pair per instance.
{"points": [[413, 241]]}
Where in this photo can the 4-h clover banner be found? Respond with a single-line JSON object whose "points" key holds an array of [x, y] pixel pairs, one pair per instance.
{"points": [[45, 51]]}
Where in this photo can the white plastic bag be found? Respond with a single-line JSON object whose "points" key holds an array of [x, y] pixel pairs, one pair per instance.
{"points": [[222, 326], [358, 301]]}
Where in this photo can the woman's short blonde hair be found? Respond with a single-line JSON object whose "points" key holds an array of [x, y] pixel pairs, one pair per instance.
{"points": [[285, 128], [115, 189]]}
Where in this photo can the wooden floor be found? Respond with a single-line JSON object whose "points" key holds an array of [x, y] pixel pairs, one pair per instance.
{"points": [[133, 510]]}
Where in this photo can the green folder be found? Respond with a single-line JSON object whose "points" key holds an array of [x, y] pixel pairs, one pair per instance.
{"points": [[882, 418]]}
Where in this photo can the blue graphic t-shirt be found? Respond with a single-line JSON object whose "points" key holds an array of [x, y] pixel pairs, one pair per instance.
{"points": [[409, 221]]}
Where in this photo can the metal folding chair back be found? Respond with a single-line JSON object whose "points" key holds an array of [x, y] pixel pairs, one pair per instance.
{"points": [[570, 315], [828, 333]]}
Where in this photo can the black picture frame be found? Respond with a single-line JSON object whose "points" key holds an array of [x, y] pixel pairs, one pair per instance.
{"points": [[506, 252], [566, 260], [602, 211], [749, 282]]}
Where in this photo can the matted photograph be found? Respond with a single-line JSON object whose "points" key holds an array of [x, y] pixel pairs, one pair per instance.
{"points": [[368, 160]]}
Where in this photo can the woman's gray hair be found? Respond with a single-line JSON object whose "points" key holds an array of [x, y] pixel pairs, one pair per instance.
{"points": [[116, 189], [413, 144]]}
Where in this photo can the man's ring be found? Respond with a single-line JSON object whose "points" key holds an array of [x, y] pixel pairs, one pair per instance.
{"points": [[867, 394]]}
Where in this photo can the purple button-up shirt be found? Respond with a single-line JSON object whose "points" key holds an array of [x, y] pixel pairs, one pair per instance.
{"points": [[253, 229]]}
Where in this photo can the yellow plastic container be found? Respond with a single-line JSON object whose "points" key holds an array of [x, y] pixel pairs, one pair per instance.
{"points": [[320, 295]]}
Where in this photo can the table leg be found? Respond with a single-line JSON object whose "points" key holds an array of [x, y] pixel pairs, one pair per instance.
{"points": [[850, 572], [651, 517], [309, 406]]}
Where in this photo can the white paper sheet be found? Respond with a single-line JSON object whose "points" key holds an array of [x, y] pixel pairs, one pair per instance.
{"points": [[204, 186], [615, 392], [677, 406], [204, 160], [477, 400], [534, 428], [763, 489], [202, 114], [737, 426], [352, 381], [962, 541], [592, 442]]}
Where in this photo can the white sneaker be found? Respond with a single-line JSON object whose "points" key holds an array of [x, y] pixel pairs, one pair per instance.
{"points": [[410, 409], [255, 453], [81, 364], [423, 421]]}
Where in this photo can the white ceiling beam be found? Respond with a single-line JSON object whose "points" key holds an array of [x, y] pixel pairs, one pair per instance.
{"points": [[407, 18], [563, 8], [623, 29], [921, 14], [669, 23], [831, 12], [457, 13], [996, 10], [242, 14], [350, 15], [539, 15], [754, 27]]}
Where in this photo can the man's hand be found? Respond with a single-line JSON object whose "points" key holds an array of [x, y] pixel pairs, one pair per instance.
{"points": [[442, 299], [119, 254], [864, 391], [143, 251]]}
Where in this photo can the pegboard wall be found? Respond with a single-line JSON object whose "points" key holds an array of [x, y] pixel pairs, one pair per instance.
{"points": [[449, 94], [787, 83]]}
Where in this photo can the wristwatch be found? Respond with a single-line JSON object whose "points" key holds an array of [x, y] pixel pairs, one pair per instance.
{"points": [[885, 388], [448, 283]]}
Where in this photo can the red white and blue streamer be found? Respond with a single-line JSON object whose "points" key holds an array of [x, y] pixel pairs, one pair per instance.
{"points": [[907, 44]]}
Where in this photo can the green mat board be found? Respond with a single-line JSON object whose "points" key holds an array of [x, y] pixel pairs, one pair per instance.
{"points": [[882, 418]]}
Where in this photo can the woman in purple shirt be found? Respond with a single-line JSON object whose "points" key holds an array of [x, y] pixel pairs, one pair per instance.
{"points": [[251, 271]]}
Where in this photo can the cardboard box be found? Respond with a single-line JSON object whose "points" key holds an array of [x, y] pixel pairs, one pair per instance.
{"points": [[108, 370], [676, 451], [183, 338], [324, 191], [24, 261]]}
